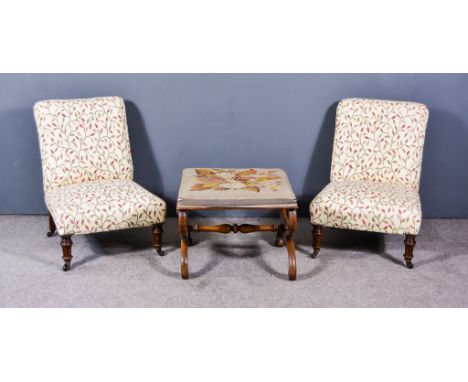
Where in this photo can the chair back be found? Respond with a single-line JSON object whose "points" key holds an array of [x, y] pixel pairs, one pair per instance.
{"points": [[379, 141], [83, 140]]}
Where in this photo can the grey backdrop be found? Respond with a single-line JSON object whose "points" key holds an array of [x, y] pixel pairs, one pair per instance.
{"points": [[236, 120]]}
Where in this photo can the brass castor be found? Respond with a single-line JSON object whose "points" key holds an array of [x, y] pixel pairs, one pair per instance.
{"points": [[160, 252], [50, 234], [314, 254], [409, 265], [66, 267]]}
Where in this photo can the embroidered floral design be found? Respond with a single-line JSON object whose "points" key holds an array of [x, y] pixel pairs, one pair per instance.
{"points": [[226, 179], [87, 167], [376, 168]]}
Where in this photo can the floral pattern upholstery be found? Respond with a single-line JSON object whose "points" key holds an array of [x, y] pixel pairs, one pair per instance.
{"points": [[379, 141], [87, 167], [367, 206], [103, 205], [376, 168], [83, 140]]}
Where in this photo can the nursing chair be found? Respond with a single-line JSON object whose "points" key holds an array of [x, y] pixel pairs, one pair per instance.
{"points": [[88, 171], [375, 171]]}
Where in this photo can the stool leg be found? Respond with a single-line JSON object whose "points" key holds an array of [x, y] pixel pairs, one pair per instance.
{"points": [[183, 231]]}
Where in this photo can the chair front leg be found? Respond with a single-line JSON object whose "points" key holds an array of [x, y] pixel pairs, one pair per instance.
{"points": [[410, 242], [52, 227], [157, 236], [317, 234], [66, 244]]}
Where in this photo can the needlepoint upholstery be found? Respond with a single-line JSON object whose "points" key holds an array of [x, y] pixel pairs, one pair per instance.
{"points": [[376, 168], [87, 167]]}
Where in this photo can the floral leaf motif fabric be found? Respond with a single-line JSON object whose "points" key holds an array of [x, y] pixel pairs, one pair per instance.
{"points": [[368, 206], [379, 141], [103, 205], [376, 168], [87, 167], [83, 140]]}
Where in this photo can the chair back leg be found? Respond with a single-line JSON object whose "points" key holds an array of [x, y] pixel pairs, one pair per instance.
{"points": [[157, 236], [52, 227]]}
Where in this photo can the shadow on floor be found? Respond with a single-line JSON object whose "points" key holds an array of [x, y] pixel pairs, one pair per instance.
{"points": [[157, 264], [336, 243], [357, 244]]}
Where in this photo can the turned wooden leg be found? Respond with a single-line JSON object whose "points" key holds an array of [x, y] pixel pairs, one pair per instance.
{"points": [[66, 244], [183, 231], [52, 227], [279, 242], [410, 242], [291, 229], [317, 234], [157, 234]]}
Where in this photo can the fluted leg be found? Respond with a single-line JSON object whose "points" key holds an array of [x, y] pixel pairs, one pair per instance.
{"points": [[410, 242], [52, 227], [66, 244], [157, 235], [317, 234]]}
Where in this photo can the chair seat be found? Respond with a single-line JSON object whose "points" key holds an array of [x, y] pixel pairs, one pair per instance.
{"points": [[367, 206], [103, 205]]}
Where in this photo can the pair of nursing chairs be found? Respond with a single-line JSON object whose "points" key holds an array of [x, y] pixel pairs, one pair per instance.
{"points": [[88, 171]]}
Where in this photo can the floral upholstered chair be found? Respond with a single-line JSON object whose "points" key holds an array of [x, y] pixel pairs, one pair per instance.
{"points": [[88, 171], [375, 172]]}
